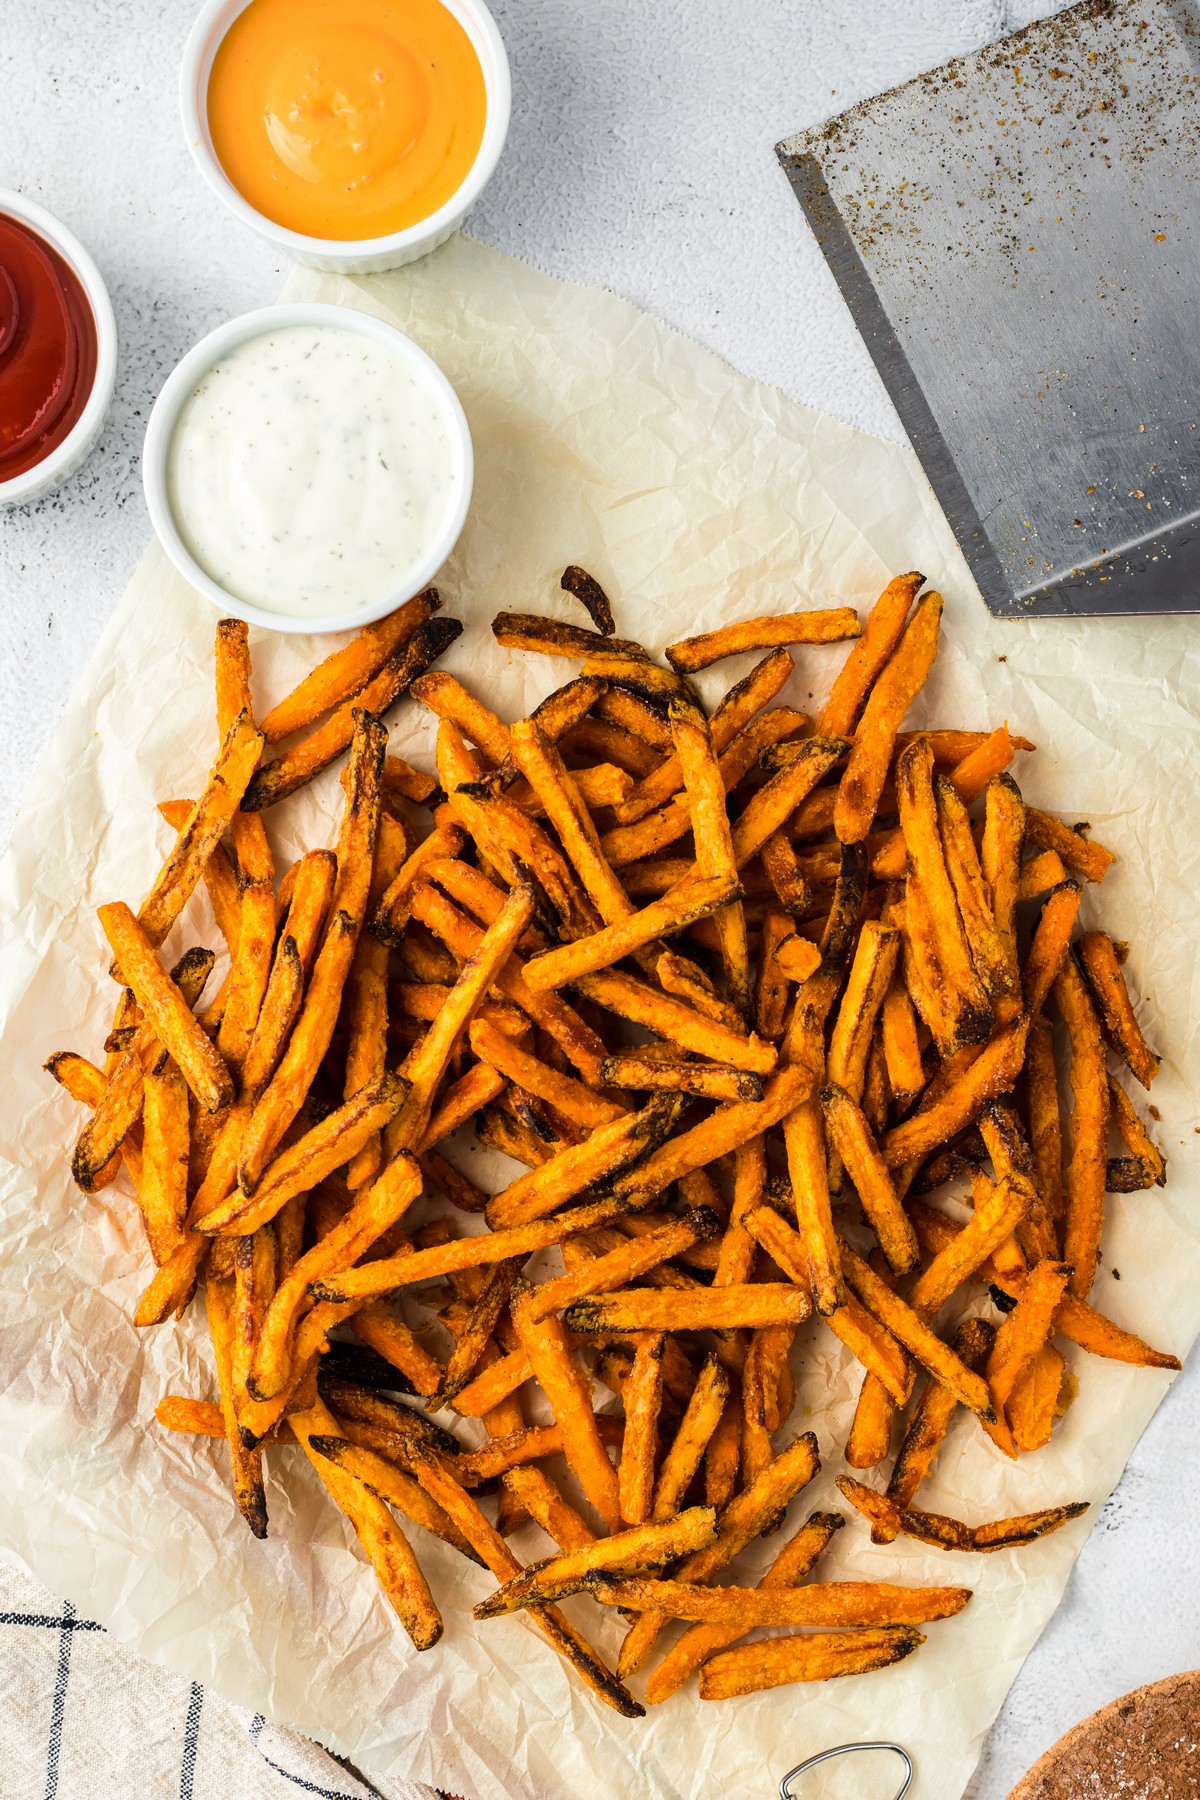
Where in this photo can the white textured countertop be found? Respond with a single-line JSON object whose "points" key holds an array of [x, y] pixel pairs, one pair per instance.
{"points": [[640, 159]]}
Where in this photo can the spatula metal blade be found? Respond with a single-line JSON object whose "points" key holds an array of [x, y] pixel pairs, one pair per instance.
{"points": [[1018, 237]]}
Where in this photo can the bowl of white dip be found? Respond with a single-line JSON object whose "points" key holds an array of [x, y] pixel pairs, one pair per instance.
{"points": [[307, 468]]}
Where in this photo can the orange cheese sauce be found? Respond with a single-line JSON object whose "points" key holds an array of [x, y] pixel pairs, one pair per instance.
{"points": [[346, 118]]}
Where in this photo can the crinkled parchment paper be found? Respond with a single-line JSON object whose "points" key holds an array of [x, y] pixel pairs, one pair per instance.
{"points": [[696, 497]]}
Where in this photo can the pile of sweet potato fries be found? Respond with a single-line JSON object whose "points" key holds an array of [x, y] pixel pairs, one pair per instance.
{"points": [[774, 1026]]}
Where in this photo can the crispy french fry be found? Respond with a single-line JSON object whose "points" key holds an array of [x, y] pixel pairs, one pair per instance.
{"points": [[907, 1325], [545, 1504], [992, 1072], [245, 1464], [732, 715], [639, 1445], [991, 952], [1034, 1402], [838, 1604], [756, 1510], [590, 595], [774, 802], [830, 625], [599, 950], [190, 854], [287, 1088], [808, 1171], [391, 1339], [709, 1081], [344, 674], [201, 1418], [1149, 1163], [385, 1544], [798, 957], [609, 1149], [1024, 1331], [815, 1656], [693, 1309], [1040, 874], [1050, 944], [625, 1552], [895, 689], [855, 1144], [445, 696], [1082, 855], [919, 821], [218, 874], [1042, 1111], [951, 1534], [162, 1190], [675, 1023], [619, 1267], [686, 1450], [869, 655], [927, 1428], [545, 1343], [1000, 860], [721, 1132], [166, 1008], [1087, 1170], [1098, 959], [296, 767]]}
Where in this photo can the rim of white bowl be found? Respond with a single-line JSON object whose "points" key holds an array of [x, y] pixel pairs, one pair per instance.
{"points": [[177, 389], [79, 440], [211, 25]]}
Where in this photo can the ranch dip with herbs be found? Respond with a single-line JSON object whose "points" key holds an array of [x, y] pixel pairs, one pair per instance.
{"points": [[310, 471]]}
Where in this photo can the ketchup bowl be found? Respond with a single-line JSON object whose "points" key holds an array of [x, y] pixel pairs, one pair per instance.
{"points": [[306, 90], [58, 351], [307, 468]]}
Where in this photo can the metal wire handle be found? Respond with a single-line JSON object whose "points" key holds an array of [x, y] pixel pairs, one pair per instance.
{"points": [[785, 1786]]}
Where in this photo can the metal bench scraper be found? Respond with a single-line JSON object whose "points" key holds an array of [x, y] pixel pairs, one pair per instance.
{"points": [[1017, 235]]}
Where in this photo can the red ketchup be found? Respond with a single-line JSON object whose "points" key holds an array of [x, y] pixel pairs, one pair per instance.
{"points": [[47, 348]]}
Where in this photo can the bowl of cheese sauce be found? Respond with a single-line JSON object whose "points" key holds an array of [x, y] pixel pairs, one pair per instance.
{"points": [[307, 468], [354, 134]]}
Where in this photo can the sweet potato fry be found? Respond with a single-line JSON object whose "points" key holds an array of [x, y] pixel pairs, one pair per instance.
{"points": [[1050, 944], [846, 1604], [642, 1398], [869, 656], [732, 715], [401, 780], [678, 1024], [813, 1656], [165, 1008], [590, 595], [537, 1494], [621, 1266], [162, 1191], [245, 1464], [829, 625], [344, 674], [705, 787], [693, 1309], [756, 1510], [624, 1553], [992, 953], [992, 1072], [1041, 873], [709, 1081], [446, 696], [773, 803], [908, 1326], [1042, 1111], [218, 874], [895, 689], [1024, 1331], [305, 760], [201, 1418], [287, 1089], [200, 835], [1034, 1402], [901, 1046], [927, 1428], [609, 1149], [1086, 1173], [808, 1171], [870, 975], [951, 1534], [567, 1096], [545, 1343], [1098, 959], [494, 1552], [385, 1544], [919, 821], [1000, 860], [855, 1144], [1082, 855], [1149, 1164], [601, 949], [684, 1454]]}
